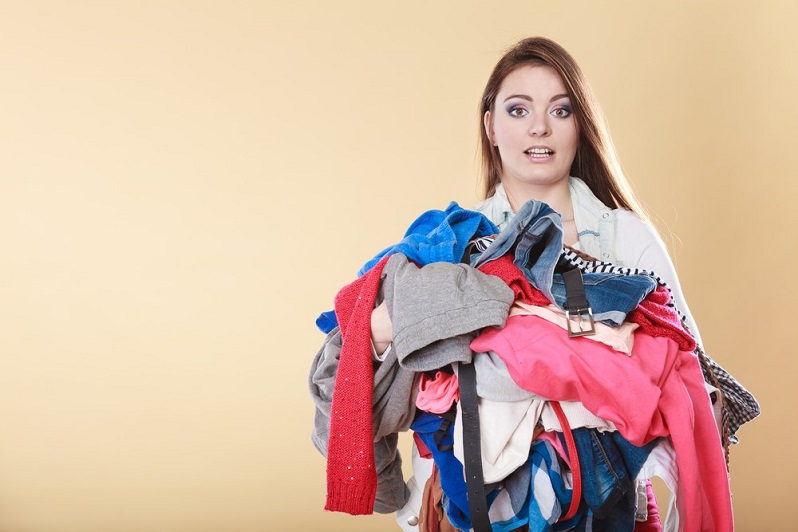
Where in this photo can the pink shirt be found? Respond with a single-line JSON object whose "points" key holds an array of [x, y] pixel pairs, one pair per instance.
{"points": [[438, 394], [658, 391]]}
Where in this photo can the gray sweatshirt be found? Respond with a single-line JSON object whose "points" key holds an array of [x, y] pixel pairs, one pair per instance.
{"points": [[438, 309]]}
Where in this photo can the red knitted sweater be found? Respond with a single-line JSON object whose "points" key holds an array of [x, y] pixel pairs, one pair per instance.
{"points": [[351, 475]]}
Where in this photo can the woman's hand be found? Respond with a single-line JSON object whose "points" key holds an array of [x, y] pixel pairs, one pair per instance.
{"points": [[381, 328]]}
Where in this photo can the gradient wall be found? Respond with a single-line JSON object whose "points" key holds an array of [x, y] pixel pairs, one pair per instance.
{"points": [[185, 185]]}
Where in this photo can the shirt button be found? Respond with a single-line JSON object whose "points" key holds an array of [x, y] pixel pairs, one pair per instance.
{"points": [[605, 215], [605, 255], [412, 520]]}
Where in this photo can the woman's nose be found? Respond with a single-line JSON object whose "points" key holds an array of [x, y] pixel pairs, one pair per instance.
{"points": [[539, 126]]}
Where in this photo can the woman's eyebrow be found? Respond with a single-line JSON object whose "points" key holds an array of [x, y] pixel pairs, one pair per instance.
{"points": [[521, 96], [529, 98]]}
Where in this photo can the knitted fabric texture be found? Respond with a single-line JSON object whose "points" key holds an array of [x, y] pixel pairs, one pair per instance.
{"points": [[351, 475], [657, 316]]}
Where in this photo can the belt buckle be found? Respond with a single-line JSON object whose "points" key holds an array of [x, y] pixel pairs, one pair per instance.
{"points": [[580, 312]]}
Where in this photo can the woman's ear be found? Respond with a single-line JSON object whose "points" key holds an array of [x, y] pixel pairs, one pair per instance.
{"points": [[487, 121]]}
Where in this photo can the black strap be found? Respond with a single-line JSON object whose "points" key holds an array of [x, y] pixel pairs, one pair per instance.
{"points": [[576, 305], [477, 502], [448, 418], [576, 299]]}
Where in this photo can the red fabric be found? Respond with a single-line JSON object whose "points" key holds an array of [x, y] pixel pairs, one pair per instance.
{"points": [[351, 475], [423, 451], [504, 269], [576, 470], [657, 318], [653, 523]]}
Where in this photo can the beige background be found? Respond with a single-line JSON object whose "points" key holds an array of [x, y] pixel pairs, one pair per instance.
{"points": [[185, 185]]}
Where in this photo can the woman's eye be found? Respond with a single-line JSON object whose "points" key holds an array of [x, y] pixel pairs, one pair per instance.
{"points": [[517, 111], [561, 112]]}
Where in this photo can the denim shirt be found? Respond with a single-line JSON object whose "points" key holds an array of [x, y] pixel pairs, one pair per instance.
{"points": [[595, 222]]}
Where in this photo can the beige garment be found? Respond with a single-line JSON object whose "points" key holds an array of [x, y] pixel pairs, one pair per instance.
{"points": [[620, 338]]}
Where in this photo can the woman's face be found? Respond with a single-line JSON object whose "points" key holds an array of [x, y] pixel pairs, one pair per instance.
{"points": [[533, 126]]}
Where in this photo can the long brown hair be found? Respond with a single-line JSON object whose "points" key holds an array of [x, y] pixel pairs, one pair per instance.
{"points": [[595, 162]]}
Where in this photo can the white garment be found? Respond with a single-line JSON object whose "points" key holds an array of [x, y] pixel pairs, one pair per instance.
{"points": [[661, 462], [578, 417], [505, 432], [407, 516]]}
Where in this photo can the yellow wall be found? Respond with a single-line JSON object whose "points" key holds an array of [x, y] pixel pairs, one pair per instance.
{"points": [[185, 185]]}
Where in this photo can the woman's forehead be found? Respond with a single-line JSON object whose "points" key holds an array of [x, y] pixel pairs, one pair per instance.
{"points": [[533, 80]]}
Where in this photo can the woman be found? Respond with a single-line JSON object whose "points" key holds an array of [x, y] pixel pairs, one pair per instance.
{"points": [[543, 137]]}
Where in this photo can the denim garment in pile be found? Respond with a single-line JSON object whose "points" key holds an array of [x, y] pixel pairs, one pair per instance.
{"points": [[537, 494], [534, 236], [609, 465], [611, 295]]}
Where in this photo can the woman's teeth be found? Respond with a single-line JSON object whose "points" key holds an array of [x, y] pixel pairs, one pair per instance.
{"points": [[539, 152]]}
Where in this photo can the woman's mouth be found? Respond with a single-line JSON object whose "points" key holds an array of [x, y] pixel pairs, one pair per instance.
{"points": [[539, 153]]}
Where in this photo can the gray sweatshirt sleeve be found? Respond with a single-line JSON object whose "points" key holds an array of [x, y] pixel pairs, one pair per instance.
{"points": [[436, 310]]}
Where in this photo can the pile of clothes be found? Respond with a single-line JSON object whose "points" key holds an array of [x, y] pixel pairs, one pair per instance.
{"points": [[634, 398]]}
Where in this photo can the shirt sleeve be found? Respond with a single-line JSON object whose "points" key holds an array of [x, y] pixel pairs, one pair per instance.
{"points": [[638, 245]]}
